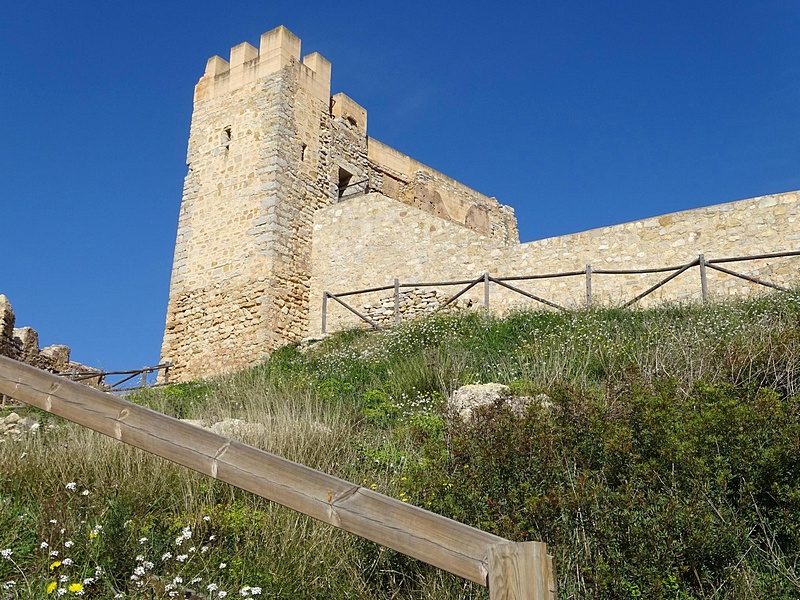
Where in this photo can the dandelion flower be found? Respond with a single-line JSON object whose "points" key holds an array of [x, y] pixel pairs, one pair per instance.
{"points": [[51, 587], [75, 587], [55, 564]]}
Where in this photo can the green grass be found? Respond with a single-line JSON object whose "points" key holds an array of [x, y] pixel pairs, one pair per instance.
{"points": [[665, 464]]}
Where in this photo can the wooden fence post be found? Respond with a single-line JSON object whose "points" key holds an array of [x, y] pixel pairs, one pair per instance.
{"points": [[324, 311], [486, 291], [521, 571], [703, 280], [588, 285], [396, 301], [144, 377]]}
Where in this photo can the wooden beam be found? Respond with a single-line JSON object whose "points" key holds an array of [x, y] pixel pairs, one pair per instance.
{"points": [[522, 571], [436, 540]]}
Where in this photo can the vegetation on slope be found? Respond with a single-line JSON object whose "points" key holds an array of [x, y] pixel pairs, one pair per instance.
{"points": [[664, 463]]}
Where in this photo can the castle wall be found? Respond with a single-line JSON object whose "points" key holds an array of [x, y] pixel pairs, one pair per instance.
{"points": [[274, 212], [406, 180], [259, 162], [356, 242], [268, 147]]}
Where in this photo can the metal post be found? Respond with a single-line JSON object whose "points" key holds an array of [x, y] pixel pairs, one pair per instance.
{"points": [[588, 285], [703, 280], [486, 291], [396, 301], [324, 311]]}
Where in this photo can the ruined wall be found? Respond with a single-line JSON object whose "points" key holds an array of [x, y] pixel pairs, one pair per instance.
{"points": [[22, 344], [355, 247], [404, 179]]}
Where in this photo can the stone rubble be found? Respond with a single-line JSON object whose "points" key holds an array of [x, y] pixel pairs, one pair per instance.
{"points": [[22, 344], [414, 303], [14, 426]]}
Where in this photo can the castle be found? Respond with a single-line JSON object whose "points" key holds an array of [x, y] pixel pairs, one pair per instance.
{"points": [[286, 196]]}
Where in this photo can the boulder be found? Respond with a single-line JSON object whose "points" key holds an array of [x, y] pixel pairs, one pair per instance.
{"points": [[467, 398]]}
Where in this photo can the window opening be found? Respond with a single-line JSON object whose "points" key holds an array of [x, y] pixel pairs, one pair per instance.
{"points": [[226, 138], [344, 181]]}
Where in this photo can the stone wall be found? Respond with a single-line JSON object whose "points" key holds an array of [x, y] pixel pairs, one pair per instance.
{"points": [[356, 246], [22, 344], [275, 211], [268, 147], [403, 179], [415, 303]]}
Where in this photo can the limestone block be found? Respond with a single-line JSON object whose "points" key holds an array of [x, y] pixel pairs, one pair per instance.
{"points": [[7, 345], [27, 341], [54, 358]]}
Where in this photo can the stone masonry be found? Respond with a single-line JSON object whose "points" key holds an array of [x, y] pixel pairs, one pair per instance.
{"points": [[268, 147], [22, 344], [355, 247], [286, 197]]}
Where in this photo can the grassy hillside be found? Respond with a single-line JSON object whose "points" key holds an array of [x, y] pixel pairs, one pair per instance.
{"points": [[661, 460]]}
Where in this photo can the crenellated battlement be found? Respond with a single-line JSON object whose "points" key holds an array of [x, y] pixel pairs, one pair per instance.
{"points": [[277, 49]]}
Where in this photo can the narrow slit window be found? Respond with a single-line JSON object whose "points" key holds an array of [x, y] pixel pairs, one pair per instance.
{"points": [[226, 138]]}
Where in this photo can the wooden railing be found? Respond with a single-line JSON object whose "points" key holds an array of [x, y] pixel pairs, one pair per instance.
{"points": [[588, 273], [135, 379], [512, 571]]}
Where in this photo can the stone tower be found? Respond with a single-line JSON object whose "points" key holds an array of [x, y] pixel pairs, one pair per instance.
{"points": [[268, 146]]}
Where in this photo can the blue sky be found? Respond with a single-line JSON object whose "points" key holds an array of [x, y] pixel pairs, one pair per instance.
{"points": [[579, 114]]}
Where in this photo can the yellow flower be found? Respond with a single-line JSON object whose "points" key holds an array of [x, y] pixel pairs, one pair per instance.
{"points": [[92, 535], [55, 564], [51, 586], [75, 587]]}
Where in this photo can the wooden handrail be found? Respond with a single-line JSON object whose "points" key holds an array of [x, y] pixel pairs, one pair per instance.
{"points": [[434, 539]]}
